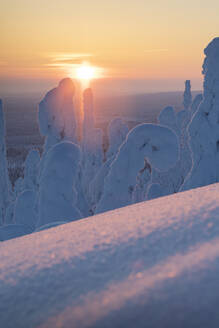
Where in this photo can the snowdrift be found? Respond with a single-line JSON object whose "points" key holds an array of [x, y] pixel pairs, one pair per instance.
{"points": [[152, 264]]}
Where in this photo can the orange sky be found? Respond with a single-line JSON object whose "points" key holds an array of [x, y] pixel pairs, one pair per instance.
{"points": [[159, 40]]}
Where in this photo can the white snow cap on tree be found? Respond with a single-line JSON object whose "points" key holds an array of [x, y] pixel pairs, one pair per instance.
{"points": [[117, 132], [187, 96], [57, 194], [24, 210], [156, 143], [204, 127], [57, 115], [4, 179], [31, 170]]}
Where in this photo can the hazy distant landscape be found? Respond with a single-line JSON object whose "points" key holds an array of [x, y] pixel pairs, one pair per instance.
{"points": [[21, 112]]}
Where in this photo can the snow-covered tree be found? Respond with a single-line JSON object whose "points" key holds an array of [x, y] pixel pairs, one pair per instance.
{"points": [[187, 96], [18, 187], [92, 149], [195, 104], [204, 127], [24, 209], [31, 170], [97, 184], [57, 119], [57, 194], [167, 117], [171, 181], [143, 180], [154, 191], [4, 179], [9, 215], [117, 132], [158, 144], [11, 231]]}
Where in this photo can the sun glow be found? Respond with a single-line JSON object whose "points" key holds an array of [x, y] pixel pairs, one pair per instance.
{"points": [[86, 72]]}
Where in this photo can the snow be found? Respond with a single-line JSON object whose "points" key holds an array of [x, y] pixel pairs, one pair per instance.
{"points": [[92, 150], [31, 170], [152, 264], [4, 179], [187, 96], [11, 231], [117, 132], [57, 194], [204, 127], [57, 117], [24, 209], [156, 143]]}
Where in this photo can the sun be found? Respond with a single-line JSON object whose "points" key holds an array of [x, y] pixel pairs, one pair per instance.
{"points": [[86, 72]]}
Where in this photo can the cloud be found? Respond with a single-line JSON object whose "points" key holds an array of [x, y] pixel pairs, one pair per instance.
{"points": [[66, 60], [66, 57]]}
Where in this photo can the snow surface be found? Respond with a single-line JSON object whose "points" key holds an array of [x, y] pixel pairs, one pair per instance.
{"points": [[152, 264], [57, 194]]}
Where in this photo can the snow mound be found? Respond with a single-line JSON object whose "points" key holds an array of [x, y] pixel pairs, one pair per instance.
{"points": [[152, 264]]}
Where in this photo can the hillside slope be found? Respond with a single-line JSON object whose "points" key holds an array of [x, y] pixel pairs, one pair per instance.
{"points": [[152, 264]]}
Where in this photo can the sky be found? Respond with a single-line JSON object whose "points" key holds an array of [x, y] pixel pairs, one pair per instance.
{"points": [[158, 41]]}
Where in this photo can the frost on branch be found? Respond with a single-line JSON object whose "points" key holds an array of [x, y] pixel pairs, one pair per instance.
{"points": [[158, 144]]}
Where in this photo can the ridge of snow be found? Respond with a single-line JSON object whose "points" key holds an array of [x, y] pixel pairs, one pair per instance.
{"points": [[151, 264]]}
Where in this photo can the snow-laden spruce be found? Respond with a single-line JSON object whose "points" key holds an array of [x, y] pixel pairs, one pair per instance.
{"points": [[195, 104], [25, 209], [187, 101], [57, 194], [142, 181], [92, 149], [31, 170], [57, 121], [156, 143], [117, 132], [4, 179], [204, 127], [9, 215], [171, 181], [97, 184]]}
